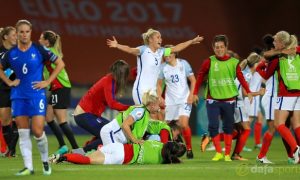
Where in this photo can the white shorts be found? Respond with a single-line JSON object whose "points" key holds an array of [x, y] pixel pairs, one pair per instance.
{"points": [[137, 96], [113, 153], [288, 103], [269, 104], [253, 108], [240, 115], [112, 133], [173, 112]]}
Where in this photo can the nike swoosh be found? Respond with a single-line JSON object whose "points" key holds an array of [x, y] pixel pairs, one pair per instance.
{"points": [[14, 58], [2, 54]]}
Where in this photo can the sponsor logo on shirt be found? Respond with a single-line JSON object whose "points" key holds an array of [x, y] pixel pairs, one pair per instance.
{"points": [[139, 114], [291, 66], [141, 155]]}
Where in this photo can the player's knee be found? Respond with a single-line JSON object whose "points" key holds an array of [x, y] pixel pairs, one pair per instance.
{"points": [[213, 132], [37, 132], [228, 129]]}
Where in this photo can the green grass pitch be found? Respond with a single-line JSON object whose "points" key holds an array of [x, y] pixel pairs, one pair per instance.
{"points": [[201, 167]]}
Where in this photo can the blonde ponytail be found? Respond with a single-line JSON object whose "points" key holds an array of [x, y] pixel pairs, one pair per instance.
{"points": [[58, 46]]}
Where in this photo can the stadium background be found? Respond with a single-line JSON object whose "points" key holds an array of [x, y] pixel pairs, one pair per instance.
{"points": [[84, 26]]}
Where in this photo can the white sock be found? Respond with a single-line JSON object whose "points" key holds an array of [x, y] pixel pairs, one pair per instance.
{"points": [[42, 143], [26, 147]]}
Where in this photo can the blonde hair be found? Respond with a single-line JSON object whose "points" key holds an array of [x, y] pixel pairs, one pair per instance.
{"points": [[5, 32], [149, 96], [251, 60], [23, 21], [289, 41], [148, 34]]}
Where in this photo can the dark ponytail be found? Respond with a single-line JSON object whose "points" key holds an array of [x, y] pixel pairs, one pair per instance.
{"points": [[120, 72]]}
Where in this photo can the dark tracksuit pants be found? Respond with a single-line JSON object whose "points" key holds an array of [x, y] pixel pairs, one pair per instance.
{"points": [[217, 110]]}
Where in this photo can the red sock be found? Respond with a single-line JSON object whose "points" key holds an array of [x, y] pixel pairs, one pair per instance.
{"points": [[286, 134], [297, 134], [235, 134], [2, 141], [78, 159], [257, 132], [265, 145], [164, 135], [228, 142], [221, 136], [187, 135], [241, 141], [286, 145], [287, 148], [217, 144]]}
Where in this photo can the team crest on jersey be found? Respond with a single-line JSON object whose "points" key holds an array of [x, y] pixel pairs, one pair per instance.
{"points": [[217, 67], [247, 77], [33, 55]]}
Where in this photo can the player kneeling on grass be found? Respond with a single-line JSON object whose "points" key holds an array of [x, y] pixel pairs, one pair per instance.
{"points": [[150, 152], [156, 130]]}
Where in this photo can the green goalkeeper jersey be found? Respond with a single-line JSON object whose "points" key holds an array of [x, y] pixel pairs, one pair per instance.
{"points": [[155, 126], [147, 153]]}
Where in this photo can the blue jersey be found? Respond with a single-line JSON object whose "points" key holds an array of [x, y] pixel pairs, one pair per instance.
{"points": [[28, 67]]}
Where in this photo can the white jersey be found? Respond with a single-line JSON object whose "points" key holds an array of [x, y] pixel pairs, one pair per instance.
{"points": [[270, 97], [148, 65], [247, 74], [240, 113], [239, 98], [254, 79], [271, 87], [177, 89], [255, 82]]}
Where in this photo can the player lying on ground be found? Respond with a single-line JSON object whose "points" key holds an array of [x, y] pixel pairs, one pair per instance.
{"points": [[150, 152]]}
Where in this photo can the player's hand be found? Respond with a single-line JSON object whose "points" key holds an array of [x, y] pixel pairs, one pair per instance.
{"points": [[40, 84], [190, 99], [195, 100], [250, 97], [162, 104], [197, 40], [14, 83], [262, 91], [112, 43], [289, 51], [140, 142]]}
